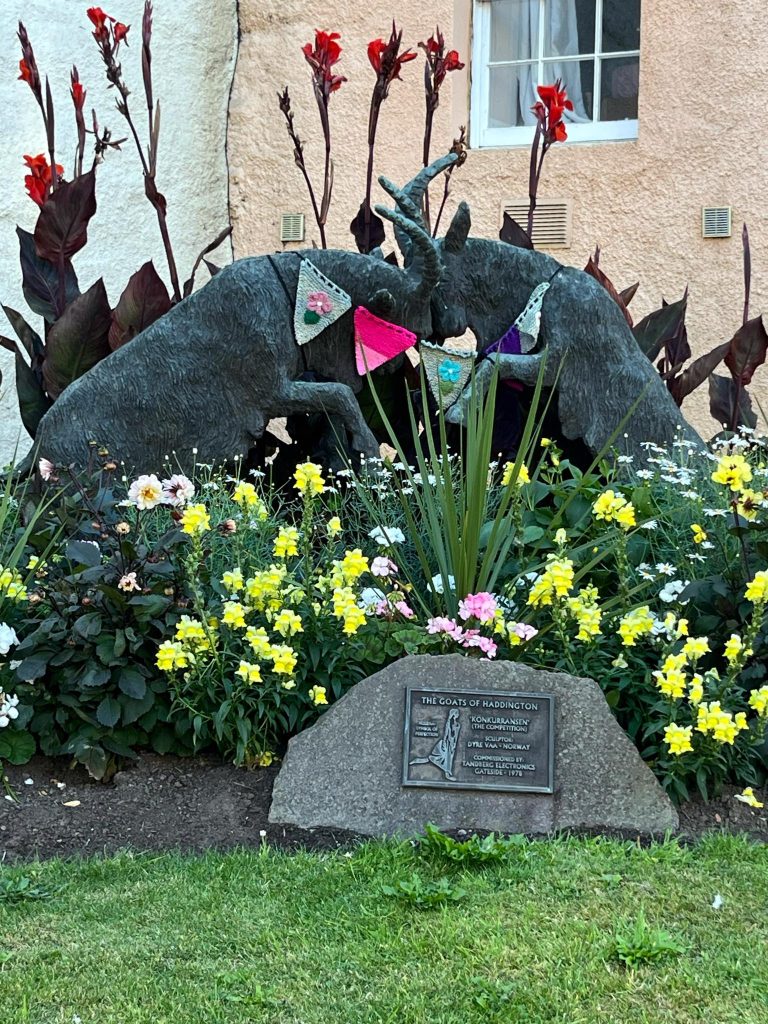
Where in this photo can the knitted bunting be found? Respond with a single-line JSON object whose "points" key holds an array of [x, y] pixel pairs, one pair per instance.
{"points": [[447, 372], [319, 303], [377, 341], [529, 321]]}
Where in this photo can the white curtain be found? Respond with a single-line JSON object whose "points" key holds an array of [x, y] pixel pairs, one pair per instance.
{"points": [[515, 32]]}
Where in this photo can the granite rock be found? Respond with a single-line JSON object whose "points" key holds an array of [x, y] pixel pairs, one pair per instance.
{"points": [[346, 770]]}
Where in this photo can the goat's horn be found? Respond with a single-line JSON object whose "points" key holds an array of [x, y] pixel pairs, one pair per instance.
{"points": [[406, 204], [416, 188], [430, 273]]}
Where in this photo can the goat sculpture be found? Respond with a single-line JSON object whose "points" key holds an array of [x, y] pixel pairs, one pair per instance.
{"points": [[590, 356], [213, 371]]}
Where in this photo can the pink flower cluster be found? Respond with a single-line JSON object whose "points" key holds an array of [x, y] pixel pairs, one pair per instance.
{"points": [[320, 303], [482, 607], [463, 637]]}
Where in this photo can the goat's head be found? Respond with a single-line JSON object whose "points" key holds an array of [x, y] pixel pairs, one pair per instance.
{"points": [[449, 315]]}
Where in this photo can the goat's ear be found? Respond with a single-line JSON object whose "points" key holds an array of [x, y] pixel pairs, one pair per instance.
{"points": [[456, 235], [382, 303]]}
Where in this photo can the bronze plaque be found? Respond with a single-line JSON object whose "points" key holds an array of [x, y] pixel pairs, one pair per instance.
{"points": [[479, 739]]}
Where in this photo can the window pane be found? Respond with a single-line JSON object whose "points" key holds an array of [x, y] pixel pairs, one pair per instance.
{"points": [[578, 78], [514, 29], [621, 25], [620, 78], [569, 27], [512, 93]]}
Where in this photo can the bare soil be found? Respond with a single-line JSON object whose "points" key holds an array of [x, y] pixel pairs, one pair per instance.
{"points": [[169, 803]]}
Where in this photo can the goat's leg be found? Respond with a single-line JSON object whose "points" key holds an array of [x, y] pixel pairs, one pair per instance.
{"points": [[334, 400], [523, 368]]}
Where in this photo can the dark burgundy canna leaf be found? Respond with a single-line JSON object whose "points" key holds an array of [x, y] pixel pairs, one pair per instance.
{"points": [[627, 294], [41, 281], [30, 339], [144, 300], [654, 331], [513, 234], [729, 403], [358, 229], [78, 340], [594, 271], [697, 373], [62, 227], [33, 401], [747, 350]]}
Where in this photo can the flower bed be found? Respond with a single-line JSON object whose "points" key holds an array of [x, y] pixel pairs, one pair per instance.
{"points": [[224, 614]]}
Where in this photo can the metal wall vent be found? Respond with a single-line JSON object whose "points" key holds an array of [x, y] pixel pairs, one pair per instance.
{"points": [[292, 227], [551, 221], [716, 222]]}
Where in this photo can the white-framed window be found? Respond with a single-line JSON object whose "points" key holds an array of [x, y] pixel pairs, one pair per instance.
{"points": [[592, 45]]}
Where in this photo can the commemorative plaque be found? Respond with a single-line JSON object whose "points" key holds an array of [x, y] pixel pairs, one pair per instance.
{"points": [[479, 739]]}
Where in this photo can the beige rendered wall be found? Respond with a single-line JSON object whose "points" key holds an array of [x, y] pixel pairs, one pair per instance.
{"points": [[700, 143]]}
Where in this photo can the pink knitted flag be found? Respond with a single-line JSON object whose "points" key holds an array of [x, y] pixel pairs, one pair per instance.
{"points": [[377, 341]]}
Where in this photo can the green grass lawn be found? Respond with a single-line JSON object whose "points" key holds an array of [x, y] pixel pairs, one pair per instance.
{"points": [[312, 939]]}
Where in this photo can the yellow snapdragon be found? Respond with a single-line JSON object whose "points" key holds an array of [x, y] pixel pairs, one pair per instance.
{"points": [[612, 507], [259, 642], [249, 672], [245, 494], [195, 520], [699, 534], [309, 479], [232, 580], [234, 615], [758, 701], [695, 647], [757, 588], [12, 585], [287, 623], [678, 738], [172, 655], [284, 659], [193, 632], [317, 695], [638, 622], [555, 582], [286, 542], [523, 476], [333, 526], [587, 613]]}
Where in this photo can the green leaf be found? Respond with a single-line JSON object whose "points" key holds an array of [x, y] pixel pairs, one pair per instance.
{"points": [[16, 747], [132, 683], [32, 668], [88, 626], [95, 676], [83, 553], [108, 712]]}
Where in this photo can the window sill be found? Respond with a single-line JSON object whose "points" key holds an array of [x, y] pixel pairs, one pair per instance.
{"points": [[598, 132]]}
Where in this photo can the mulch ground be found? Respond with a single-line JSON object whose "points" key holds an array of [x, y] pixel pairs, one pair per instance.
{"points": [[168, 803]]}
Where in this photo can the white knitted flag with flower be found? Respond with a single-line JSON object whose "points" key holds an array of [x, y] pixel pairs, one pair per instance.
{"points": [[319, 303]]}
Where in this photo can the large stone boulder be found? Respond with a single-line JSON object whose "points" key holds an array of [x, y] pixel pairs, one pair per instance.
{"points": [[452, 741]]}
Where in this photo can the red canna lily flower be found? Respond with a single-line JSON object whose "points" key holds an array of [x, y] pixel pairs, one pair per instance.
{"points": [[321, 58], [38, 182], [99, 20], [385, 59], [549, 112], [77, 92], [120, 32], [27, 73], [440, 62]]}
